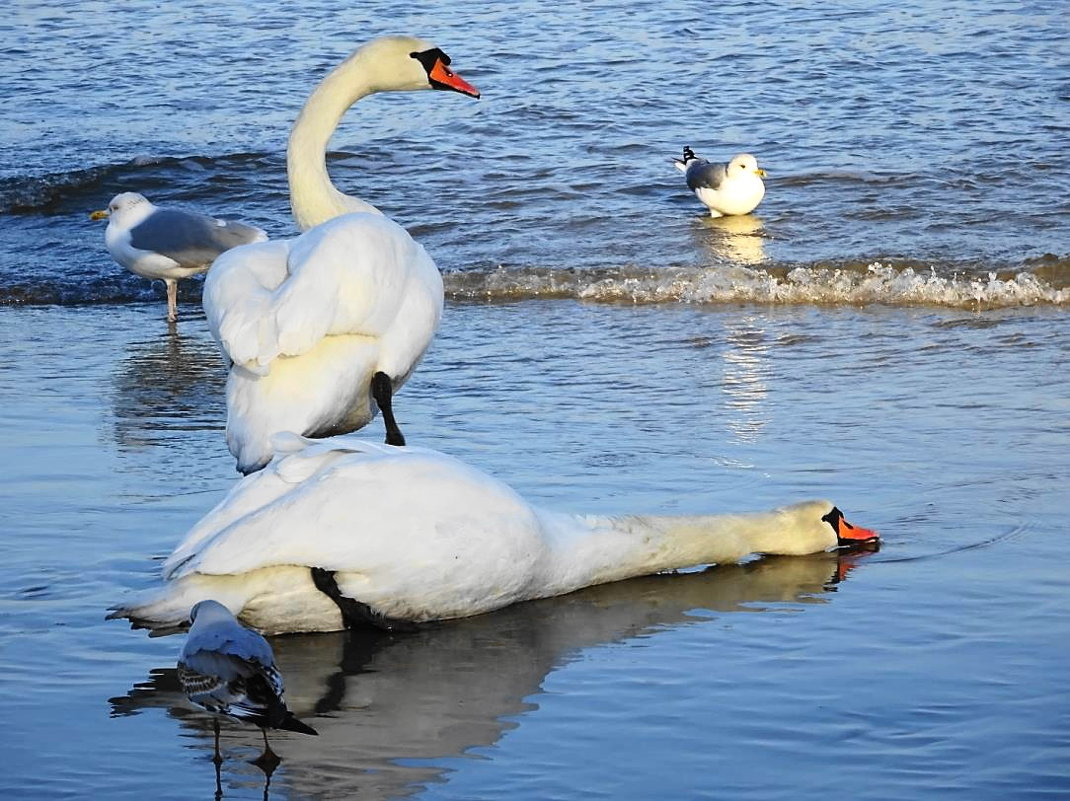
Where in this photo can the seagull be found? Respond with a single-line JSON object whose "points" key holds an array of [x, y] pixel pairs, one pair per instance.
{"points": [[168, 244], [725, 189], [230, 670]]}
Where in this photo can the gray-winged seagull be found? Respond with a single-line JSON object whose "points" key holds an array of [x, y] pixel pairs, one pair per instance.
{"points": [[725, 189], [230, 670], [168, 244]]}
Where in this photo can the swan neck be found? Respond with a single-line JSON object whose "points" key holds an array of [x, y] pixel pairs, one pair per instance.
{"points": [[597, 549], [313, 197]]}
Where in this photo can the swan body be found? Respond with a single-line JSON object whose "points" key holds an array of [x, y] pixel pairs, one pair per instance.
{"points": [[306, 323], [416, 535], [725, 189], [320, 330], [168, 244]]}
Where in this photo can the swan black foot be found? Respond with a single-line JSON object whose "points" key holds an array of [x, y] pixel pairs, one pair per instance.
{"points": [[383, 392], [355, 614]]}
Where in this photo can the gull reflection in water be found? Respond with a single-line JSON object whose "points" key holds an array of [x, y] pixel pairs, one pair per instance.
{"points": [[173, 382], [386, 706], [737, 240]]}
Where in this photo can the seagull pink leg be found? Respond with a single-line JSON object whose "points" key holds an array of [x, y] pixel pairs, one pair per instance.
{"points": [[172, 301]]}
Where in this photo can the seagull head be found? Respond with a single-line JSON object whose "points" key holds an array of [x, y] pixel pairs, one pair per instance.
{"points": [[122, 204], [745, 164]]}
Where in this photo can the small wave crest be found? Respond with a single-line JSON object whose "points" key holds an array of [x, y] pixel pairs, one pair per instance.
{"points": [[24, 194], [21, 194], [91, 290], [876, 283]]}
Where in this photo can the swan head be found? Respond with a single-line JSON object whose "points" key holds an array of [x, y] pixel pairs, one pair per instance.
{"points": [[848, 536], [125, 204], [407, 63], [745, 164]]}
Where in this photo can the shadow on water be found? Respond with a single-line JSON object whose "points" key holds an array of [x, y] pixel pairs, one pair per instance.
{"points": [[384, 705], [172, 382]]}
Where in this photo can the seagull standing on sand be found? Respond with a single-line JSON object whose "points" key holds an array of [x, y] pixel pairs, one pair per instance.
{"points": [[725, 189], [168, 244], [230, 670]]}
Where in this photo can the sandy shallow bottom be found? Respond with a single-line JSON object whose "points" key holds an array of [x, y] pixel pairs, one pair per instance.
{"points": [[934, 668]]}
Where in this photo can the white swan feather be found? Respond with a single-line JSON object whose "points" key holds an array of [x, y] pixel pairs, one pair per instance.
{"points": [[307, 324], [418, 535]]}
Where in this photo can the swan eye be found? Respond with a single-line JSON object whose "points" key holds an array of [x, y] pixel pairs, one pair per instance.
{"points": [[432, 59]]}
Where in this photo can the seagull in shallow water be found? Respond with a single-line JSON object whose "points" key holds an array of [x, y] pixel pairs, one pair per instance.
{"points": [[725, 189], [168, 244], [230, 670]]}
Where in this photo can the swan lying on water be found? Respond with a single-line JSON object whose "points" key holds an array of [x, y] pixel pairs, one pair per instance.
{"points": [[342, 532]]}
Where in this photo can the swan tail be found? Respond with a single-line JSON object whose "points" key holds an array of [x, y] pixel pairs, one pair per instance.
{"points": [[159, 612], [167, 608]]}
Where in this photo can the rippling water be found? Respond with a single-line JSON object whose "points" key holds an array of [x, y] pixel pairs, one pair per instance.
{"points": [[932, 668], [926, 139], [888, 330]]}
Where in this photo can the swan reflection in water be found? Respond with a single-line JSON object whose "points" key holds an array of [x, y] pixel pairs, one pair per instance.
{"points": [[385, 705]]}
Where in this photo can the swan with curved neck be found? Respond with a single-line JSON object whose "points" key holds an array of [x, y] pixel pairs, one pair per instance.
{"points": [[321, 330], [390, 64], [342, 532]]}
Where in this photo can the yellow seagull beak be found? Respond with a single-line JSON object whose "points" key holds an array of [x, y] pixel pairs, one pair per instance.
{"points": [[760, 172], [99, 215]]}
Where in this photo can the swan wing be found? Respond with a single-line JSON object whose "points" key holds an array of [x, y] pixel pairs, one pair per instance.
{"points": [[349, 276], [353, 275], [238, 294], [297, 459], [362, 509]]}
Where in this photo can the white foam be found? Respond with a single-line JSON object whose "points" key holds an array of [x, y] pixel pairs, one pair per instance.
{"points": [[876, 284]]}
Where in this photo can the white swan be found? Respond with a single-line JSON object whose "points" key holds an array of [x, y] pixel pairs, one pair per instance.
{"points": [[167, 244], [338, 532], [320, 330], [725, 189]]}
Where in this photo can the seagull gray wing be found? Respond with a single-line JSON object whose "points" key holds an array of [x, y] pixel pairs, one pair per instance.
{"points": [[231, 685], [703, 175], [229, 638], [193, 240]]}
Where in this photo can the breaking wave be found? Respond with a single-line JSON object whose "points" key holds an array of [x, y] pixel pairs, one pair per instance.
{"points": [[875, 283]]}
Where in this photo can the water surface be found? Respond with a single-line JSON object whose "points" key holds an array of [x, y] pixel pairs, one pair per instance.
{"points": [[928, 668], [889, 331], [925, 140]]}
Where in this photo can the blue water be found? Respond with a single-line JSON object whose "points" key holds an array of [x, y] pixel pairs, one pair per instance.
{"points": [[925, 137], [888, 330]]}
